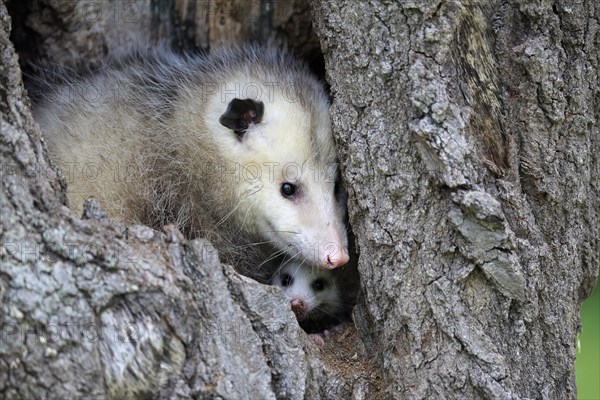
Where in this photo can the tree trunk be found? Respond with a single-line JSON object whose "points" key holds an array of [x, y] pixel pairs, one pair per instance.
{"points": [[471, 149], [469, 144], [93, 309], [80, 33]]}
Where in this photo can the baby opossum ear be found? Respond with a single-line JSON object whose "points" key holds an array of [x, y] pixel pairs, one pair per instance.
{"points": [[240, 114]]}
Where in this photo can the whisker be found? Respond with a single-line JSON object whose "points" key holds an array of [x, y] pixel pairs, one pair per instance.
{"points": [[324, 311], [286, 261], [295, 233], [229, 214], [270, 258], [252, 244]]}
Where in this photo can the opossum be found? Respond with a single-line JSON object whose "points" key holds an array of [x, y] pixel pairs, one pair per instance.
{"points": [[235, 146], [312, 291], [318, 297]]}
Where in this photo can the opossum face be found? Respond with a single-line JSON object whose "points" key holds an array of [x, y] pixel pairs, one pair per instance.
{"points": [[288, 188], [311, 291]]}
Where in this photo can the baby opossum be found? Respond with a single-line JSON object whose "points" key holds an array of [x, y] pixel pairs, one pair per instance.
{"points": [[235, 146], [314, 295]]}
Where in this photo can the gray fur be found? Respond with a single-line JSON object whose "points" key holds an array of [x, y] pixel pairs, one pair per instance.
{"points": [[144, 123]]}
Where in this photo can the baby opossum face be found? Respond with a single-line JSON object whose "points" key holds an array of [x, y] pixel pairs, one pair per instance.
{"points": [[288, 187], [311, 291]]}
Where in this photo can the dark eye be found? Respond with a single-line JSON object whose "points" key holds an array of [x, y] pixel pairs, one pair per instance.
{"points": [[288, 189], [286, 280], [318, 285]]}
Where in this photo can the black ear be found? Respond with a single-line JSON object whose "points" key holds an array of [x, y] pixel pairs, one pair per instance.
{"points": [[240, 114]]}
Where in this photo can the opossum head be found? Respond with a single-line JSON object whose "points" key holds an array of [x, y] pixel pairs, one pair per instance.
{"points": [[312, 292], [287, 190]]}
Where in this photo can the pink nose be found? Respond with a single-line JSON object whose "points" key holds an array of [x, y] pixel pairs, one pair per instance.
{"points": [[337, 258], [335, 253], [299, 308]]}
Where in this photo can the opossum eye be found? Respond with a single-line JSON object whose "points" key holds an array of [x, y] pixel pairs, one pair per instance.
{"points": [[288, 189], [286, 280], [318, 285]]}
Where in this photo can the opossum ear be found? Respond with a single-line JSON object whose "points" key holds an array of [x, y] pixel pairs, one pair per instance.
{"points": [[240, 114]]}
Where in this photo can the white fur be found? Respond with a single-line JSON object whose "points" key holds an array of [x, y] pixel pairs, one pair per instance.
{"points": [[299, 286], [150, 147]]}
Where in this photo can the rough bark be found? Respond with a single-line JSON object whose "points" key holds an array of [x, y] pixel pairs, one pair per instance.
{"points": [[93, 309], [82, 33], [470, 148], [469, 134]]}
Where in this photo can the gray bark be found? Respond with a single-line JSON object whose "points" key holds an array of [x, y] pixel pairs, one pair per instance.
{"points": [[93, 309], [470, 150], [471, 145]]}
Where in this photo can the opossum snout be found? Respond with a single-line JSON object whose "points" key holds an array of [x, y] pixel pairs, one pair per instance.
{"points": [[335, 254], [299, 308], [337, 258]]}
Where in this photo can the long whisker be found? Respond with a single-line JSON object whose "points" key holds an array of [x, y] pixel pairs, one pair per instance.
{"points": [[292, 232], [229, 214], [270, 258], [252, 244], [324, 311], [288, 260]]}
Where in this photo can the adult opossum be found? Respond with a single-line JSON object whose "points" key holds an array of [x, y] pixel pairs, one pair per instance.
{"points": [[235, 146]]}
